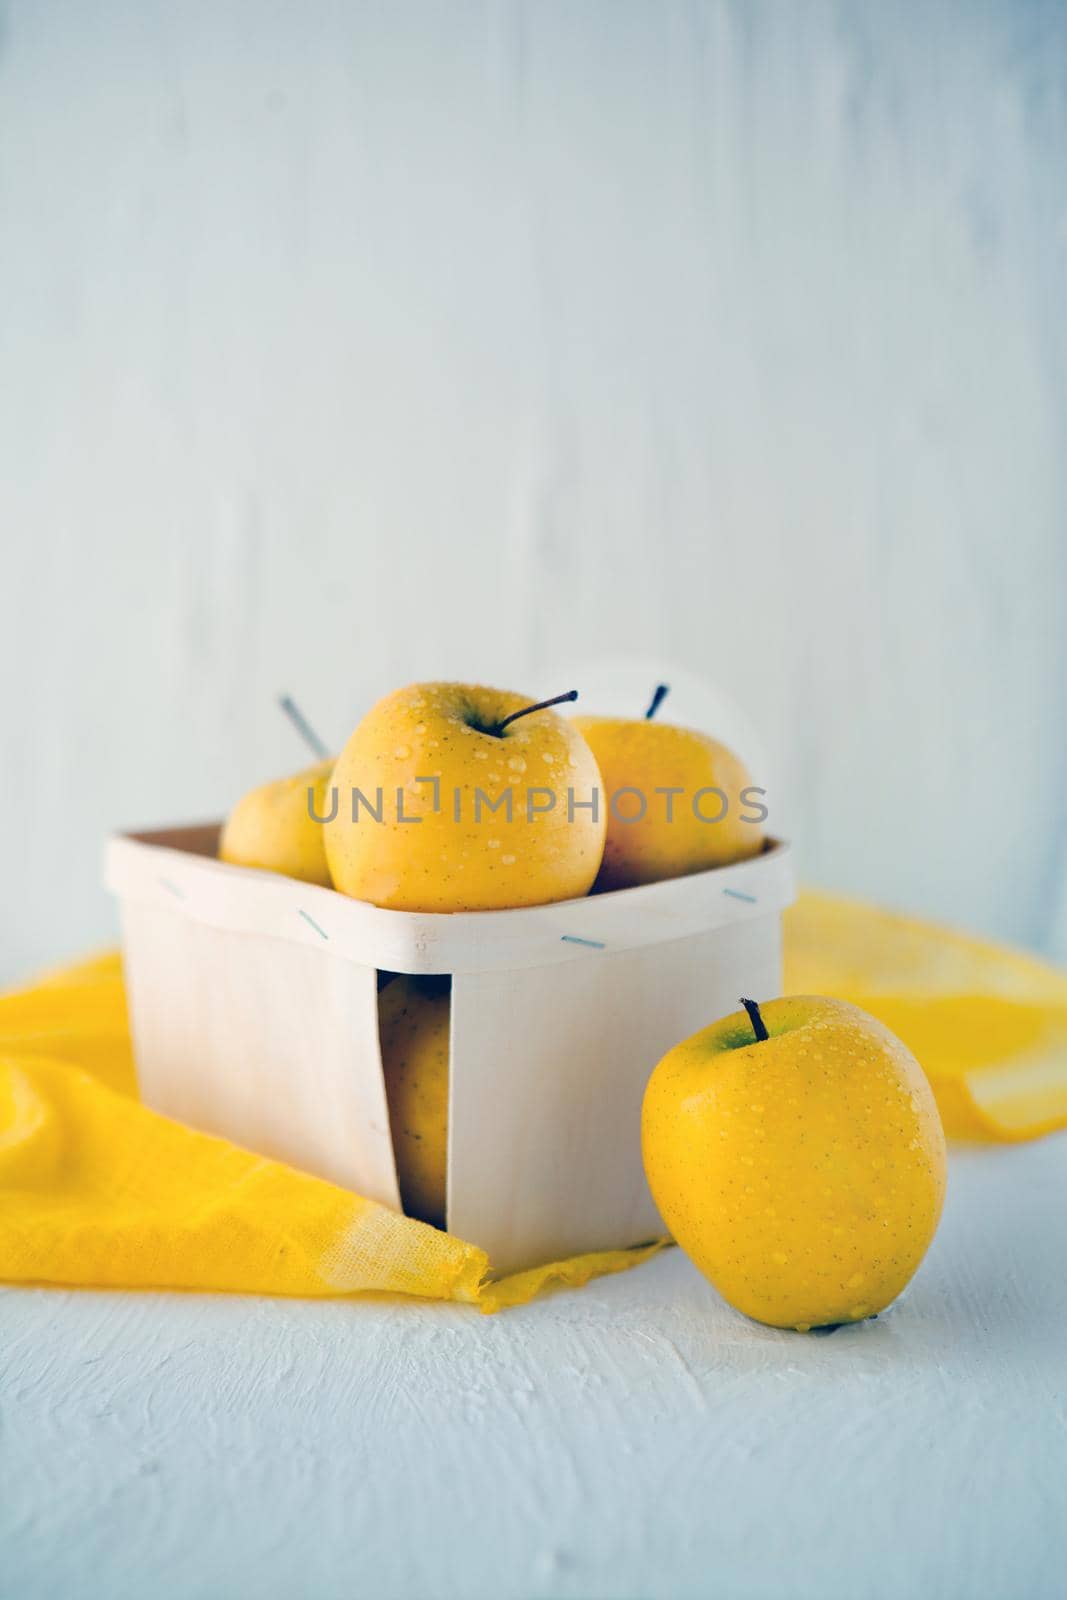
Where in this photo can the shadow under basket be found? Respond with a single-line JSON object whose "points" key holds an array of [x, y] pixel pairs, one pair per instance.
{"points": [[254, 1010]]}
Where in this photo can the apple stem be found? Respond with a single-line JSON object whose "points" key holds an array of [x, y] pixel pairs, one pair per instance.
{"points": [[542, 705], [303, 726], [759, 1027], [662, 691]]}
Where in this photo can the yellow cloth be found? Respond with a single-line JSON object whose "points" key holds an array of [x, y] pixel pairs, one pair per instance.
{"points": [[987, 1023], [97, 1190]]}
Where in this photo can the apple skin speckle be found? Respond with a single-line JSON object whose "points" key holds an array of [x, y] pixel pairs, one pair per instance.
{"points": [[437, 858], [824, 1190]]}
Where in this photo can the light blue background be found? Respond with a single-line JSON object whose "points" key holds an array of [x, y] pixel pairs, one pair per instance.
{"points": [[344, 345]]}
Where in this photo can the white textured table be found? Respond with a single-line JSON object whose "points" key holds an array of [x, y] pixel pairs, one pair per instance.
{"points": [[634, 1439]]}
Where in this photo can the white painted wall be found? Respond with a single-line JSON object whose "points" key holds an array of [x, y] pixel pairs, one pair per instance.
{"points": [[346, 344]]}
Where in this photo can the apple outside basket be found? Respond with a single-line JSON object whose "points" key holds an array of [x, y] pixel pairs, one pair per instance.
{"points": [[253, 1006]]}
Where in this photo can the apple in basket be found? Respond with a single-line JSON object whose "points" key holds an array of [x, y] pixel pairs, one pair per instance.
{"points": [[274, 828], [677, 801], [502, 790], [413, 1025]]}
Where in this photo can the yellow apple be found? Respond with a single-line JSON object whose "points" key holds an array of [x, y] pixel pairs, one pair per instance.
{"points": [[415, 827], [676, 801], [413, 1022], [796, 1154], [273, 827]]}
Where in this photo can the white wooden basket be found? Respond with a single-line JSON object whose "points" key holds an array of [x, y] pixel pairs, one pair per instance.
{"points": [[253, 1004]]}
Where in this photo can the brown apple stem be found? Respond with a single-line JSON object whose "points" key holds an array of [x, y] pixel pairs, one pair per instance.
{"points": [[542, 705], [662, 691], [303, 726], [759, 1027]]}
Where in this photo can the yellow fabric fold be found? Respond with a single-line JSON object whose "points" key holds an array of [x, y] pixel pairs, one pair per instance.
{"points": [[95, 1189], [988, 1023]]}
